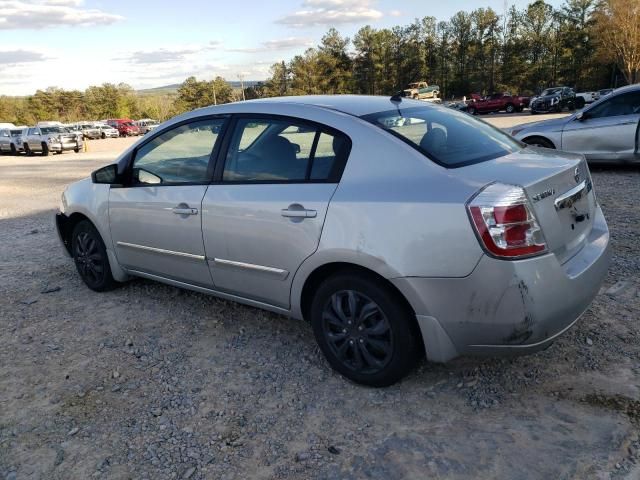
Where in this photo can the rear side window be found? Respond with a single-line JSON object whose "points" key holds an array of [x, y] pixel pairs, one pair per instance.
{"points": [[450, 138], [624, 104], [283, 150]]}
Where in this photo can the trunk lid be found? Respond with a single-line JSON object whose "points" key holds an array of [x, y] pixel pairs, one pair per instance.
{"points": [[559, 189]]}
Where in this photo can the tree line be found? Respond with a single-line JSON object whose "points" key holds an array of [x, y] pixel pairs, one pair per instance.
{"points": [[585, 44]]}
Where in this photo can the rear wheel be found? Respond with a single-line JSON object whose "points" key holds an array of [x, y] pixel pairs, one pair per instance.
{"points": [[510, 108], [538, 142], [90, 257], [365, 331]]}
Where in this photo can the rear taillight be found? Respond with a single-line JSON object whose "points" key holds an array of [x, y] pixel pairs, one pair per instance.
{"points": [[505, 222]]}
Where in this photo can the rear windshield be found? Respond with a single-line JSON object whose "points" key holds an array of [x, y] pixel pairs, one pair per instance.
{"points": [[450, 138]]}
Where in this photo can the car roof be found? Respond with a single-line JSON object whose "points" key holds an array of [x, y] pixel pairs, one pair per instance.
{"points": [[357, 105]]}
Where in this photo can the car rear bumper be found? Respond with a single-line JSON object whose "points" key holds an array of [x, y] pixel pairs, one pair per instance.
{"points": [[508, 307]]}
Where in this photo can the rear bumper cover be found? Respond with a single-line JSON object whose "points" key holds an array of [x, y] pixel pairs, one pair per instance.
{"points": [[508, 307]]}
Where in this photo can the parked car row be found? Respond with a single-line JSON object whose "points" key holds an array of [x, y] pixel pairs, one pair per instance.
{"points": [[43, 139], [55, 137]]}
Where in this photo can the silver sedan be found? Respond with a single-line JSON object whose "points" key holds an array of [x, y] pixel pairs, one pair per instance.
{"points": [[395, 227], [607, 131]]}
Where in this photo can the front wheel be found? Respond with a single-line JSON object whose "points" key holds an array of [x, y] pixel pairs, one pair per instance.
{"points": [[365, 331], [471, 110], [45, 150], [90, 257], [14, 150], [28, 150], [510, 108]]}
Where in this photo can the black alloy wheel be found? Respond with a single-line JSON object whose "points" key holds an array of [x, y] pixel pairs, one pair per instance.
{"points": [[366, 331], [90, 257], [357, 331]]}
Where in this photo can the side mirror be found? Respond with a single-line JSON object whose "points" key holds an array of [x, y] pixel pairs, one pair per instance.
{"points": [[106, 175]]}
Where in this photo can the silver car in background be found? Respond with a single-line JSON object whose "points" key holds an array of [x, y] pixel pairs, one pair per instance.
{"points": [[11, 140], [395, 227], [107, 131], [606, 131]]}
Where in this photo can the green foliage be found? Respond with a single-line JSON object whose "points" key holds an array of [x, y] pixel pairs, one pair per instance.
{"points": [[478, 51], [584, 44]]}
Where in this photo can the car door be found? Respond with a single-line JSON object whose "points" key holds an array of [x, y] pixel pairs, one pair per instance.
{"points": [[156, 217], [607, 131], [264, 214], [33, 140]]}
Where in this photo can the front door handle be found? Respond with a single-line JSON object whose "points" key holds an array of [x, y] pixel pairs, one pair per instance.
{"points": [[180, 210], [298, 211]]}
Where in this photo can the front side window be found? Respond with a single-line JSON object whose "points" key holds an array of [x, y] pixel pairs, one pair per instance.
{"points": [[450, 138], [274, 150], [179, 155], [625, 104]]}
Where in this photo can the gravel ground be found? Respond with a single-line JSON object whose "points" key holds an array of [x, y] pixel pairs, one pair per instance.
{"points": [[152, 382]]}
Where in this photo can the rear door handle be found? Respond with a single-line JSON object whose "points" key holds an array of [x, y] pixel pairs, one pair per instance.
{"points": [[297, 211], [185, 211]]}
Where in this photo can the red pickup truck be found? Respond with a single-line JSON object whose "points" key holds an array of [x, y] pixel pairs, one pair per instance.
{"points": [[497, 102]]}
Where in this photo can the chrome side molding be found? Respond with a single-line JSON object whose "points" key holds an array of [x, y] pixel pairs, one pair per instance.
{"points": [[276, 272], [162, 251]]}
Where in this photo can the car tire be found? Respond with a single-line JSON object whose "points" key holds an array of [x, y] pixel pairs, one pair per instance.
{"points": [[45, 150], [365, 331], [533, 112], [103, 135], [539, 142], [472, 111], [510, 108], [27, 150], [14, 150], [76, 150], [90, 257]]}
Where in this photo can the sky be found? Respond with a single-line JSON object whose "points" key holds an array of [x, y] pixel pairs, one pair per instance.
{"points": [[73, 44]]}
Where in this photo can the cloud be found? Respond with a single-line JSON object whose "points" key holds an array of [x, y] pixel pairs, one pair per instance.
{"points": [[395, 13], [16, 57], [160, 56], [331, 12], [32, 14], [276, 45]]}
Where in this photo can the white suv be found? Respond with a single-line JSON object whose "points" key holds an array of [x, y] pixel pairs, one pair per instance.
{"points": [[48, 139]]}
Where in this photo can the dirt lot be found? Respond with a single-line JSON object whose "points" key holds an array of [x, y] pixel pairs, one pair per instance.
{"points": [[151, 382]]}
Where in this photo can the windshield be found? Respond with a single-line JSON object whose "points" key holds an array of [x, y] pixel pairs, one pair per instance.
{"points": [[448, 137], [52, 130], [550, 91]]}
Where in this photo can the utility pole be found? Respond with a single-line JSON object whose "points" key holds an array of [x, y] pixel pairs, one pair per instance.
{"points": [[215, 100], [241, 78]]}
